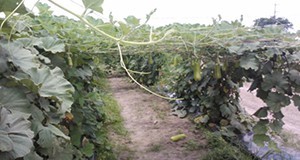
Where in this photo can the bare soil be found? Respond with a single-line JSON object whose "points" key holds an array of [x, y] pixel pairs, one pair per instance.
{"points": [[150, 125]]}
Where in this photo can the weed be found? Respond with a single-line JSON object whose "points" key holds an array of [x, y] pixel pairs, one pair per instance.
{"points": [[219, 149], [193, 145], [113, 125], [160, 113], [114, 121], [155, 148]]}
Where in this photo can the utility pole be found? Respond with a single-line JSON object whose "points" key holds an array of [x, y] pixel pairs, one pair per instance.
{"points": [[275, 11]]}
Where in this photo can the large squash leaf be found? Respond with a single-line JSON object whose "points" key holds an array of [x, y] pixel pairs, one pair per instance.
{"points": [[49, 83], [3, 62], [9, 6], [20, 57], [14, 99], [52, 146], [275, 80], [249, 61], [15, 135], [52, 44], [32, 156], [276, 101]]}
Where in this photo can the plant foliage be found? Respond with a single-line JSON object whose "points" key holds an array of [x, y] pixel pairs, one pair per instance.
{"points": [[51, 69]]}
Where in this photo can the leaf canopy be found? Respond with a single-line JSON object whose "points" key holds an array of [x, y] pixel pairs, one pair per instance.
{"points": [[15, 135]]}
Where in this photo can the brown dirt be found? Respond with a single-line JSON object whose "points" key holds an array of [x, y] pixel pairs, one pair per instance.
{"points": [[150, 125]]}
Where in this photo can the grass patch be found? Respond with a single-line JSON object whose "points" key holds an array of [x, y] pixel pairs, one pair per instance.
{"points": [[114, 125], [193, 145], [155, 148], [219, 149], [112, 112]]}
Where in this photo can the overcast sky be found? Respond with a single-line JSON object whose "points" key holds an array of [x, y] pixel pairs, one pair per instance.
{"points": [[191, 11]]}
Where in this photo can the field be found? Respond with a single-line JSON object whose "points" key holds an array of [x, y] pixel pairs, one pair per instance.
{"points": [[95, 89]]}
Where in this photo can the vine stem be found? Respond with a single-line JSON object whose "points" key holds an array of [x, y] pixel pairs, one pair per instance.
{"points": [[135, 81], [108, 35], [137, 72], [11, 14]]}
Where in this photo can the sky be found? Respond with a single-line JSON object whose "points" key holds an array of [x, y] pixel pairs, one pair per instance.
{"points": [[190, 11]]}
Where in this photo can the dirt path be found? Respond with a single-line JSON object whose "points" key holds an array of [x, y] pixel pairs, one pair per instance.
{"points": [[150, 126]]}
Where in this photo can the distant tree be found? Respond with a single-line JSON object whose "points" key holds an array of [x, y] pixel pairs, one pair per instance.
{"points": [[263, 22]]}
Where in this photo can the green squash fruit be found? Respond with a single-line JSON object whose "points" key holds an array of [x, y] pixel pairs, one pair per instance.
{"points": [[150, 59], [197, 71], [178, 137], [217, 70]]}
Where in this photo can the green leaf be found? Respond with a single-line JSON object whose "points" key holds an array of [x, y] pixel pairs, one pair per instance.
{"points": [[238, 125], [225, 110], [95, 5], [36, 127], [276, 80], [36, 113], [278, 115], [262, 94], [9, 6], [65, 152], [45, 138], [15, 134], [14, 99], [125, 29], [76, 134], [249, 61], [260, 139], [57, 132], [296, 99], [93, 21], [273, 145], [267, 68], [248, 46], [52, 44], [6, 144], [3, 61], [109, 28], [44, 8], [22, 144], [32, 156], [132, 21], [233, 108], [294, 75], [19, 56], [276, 125], [261, 127], [261, 112], [85, 73], [28, 42], [148, 16], [181, 113], [276, 101], [88, 149], [51, 84], [205, 119]]}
